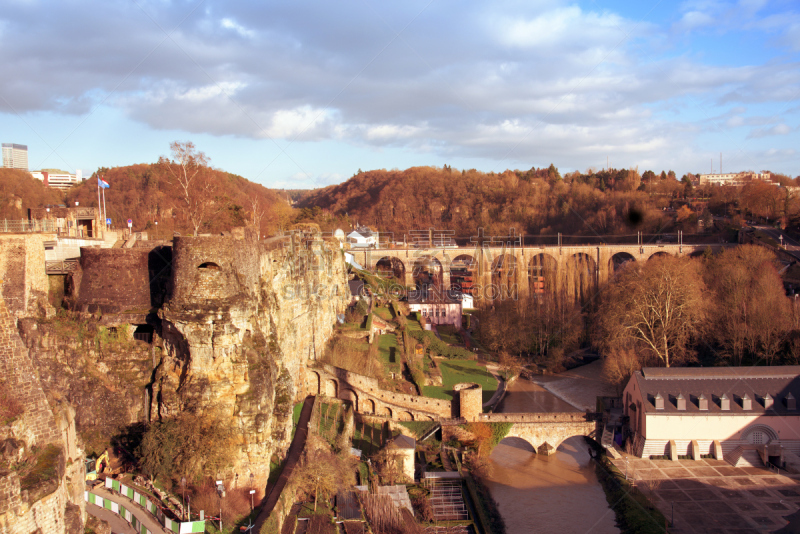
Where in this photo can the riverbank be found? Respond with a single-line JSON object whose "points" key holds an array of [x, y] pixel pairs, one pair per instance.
{"points": [[578, 387]]}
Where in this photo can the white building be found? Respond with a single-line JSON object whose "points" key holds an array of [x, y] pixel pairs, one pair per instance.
{"points": [[732, 413], [733, 178], [58, 179], [362, 237], [15, 156]]}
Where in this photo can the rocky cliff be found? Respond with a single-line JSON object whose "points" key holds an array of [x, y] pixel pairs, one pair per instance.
{"points": [[242, 319]]}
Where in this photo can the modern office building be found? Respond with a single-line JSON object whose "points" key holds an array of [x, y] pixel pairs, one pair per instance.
{"points": [[58, 179], [15, 156]]}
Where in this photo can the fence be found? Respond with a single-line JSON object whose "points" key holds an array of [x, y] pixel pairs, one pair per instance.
{"points": [[22, 226], [153, 508]]}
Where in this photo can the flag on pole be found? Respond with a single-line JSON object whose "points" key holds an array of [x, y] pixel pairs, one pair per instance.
{"points": [[102, 183]]}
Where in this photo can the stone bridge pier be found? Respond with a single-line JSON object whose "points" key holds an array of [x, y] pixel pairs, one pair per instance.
{"points": [[546, 431]]}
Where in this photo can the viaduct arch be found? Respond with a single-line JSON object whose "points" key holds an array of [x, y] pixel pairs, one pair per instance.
{"points": [[573, 267]]}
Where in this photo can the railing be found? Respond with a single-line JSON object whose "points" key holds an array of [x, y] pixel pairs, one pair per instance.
{"points": [[24, 226], [61, 266]]}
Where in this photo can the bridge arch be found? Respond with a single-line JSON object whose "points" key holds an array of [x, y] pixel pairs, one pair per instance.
{"points": [[428, 272], [392, 267], [518, 443], [386, 412], [618, 260], [659, 254], [542, 274], [581, 277], [504, 275], [462, 273]]}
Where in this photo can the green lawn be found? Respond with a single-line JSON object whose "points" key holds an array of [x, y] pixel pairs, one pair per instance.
{"points": [[412, 323], [449, 335], [457, 371], [389, 353], [383, 313]]}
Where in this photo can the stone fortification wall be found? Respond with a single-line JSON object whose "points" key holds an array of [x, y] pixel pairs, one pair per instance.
{"points": [[112, 280], [368, 388], [54, 505], [36, 425], [24, 284], [242, 320]]}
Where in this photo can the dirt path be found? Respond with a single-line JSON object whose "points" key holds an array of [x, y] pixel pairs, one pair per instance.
{"points": [[292, 457]]}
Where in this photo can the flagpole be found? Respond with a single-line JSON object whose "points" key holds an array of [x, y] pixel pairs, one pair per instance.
{"points": [[99, 206], [105, 213]]}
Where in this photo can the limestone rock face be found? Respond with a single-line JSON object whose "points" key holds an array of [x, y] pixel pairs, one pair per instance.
{"points": [[242, 319]]}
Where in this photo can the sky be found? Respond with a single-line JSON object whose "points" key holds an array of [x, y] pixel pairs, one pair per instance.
{"points": [[303, 94]]}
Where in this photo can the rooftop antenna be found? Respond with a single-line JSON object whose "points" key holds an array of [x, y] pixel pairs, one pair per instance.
{"points": [[712, 165], [720, 162]]}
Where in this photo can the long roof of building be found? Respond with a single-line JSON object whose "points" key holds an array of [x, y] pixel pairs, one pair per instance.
{"points": [[781, 383]]}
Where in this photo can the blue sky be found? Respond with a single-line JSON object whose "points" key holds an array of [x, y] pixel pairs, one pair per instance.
{"points": [[303, 94]]}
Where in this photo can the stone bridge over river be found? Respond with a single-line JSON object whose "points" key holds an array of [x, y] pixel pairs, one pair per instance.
{"points": [[530, 269], [546, 431]]}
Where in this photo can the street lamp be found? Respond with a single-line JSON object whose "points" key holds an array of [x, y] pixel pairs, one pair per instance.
{"points": [[221, 493], [252, 491], [183, 487]]}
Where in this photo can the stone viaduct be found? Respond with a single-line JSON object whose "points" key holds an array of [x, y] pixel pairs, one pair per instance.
{"points": [[567, 267], [545, 431]]}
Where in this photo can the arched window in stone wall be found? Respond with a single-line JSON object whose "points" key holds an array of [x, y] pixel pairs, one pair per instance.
{"points": [[210, 265]]}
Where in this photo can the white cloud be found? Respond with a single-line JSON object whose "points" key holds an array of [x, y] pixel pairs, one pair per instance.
{"points": [[231, 24], [778, 129]]}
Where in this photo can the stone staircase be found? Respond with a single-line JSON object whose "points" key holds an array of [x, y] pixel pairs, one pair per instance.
{"points": [[743, 456]]}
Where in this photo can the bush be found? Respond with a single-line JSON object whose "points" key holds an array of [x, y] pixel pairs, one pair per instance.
{"points": [[189, 444]]}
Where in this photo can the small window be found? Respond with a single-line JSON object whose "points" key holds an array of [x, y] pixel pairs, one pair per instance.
{"points": [[209, 265]]}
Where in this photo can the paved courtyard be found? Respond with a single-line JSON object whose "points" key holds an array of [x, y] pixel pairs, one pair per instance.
{"points": [[709, 496]]}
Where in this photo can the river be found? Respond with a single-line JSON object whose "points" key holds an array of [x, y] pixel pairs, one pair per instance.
{"points": [[558, 493]]}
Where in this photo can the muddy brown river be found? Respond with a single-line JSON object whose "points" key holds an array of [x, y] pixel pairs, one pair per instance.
{"points": [[558, 493]]}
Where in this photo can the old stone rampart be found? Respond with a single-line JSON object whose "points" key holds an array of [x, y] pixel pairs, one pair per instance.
{"points": [[24, 284], [369, 398], [60, 510], [113, 280]]}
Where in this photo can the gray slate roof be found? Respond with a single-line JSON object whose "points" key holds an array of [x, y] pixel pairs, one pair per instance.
{"points": [[778, 382]]}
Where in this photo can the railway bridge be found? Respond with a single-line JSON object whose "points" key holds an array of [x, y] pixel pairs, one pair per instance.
{"points": [[481, 270]]}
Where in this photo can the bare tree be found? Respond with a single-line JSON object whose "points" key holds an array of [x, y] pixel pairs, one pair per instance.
{"points": [[189, 169], [660, 305], [753, 316], [257, 213]]}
